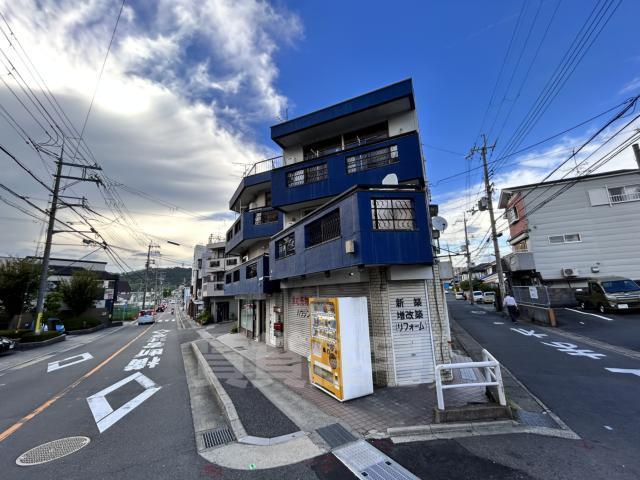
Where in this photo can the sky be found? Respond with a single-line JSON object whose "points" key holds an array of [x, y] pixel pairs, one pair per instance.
{"points": [[191, 87]]}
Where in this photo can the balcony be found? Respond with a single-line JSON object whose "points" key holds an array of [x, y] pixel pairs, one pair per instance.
{"points": [[255, 180], [363, 226], [250, 279], [518, 261], [251, 227], [213, 289], [332, 174]]}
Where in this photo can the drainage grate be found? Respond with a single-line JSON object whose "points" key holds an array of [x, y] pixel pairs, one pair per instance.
{"points": [[335, 435], [217, 436], [535, 419], [365, 462], [47, 452]]}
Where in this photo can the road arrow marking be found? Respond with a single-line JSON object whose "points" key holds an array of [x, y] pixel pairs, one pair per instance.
{"points": [[104, 415], [83, 357], [625, 370]]}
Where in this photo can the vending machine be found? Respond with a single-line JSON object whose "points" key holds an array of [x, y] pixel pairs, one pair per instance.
{"points": [[340, 353]]}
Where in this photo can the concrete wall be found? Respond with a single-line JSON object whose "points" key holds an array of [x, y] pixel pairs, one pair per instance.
{"points": [[402, 123]]}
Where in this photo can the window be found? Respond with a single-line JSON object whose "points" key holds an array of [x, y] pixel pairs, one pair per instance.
{"points": [[214, 263], [568, 238], [267, 216], [373, 159], [229, 234], [393, 214], [522, 246], [512, 215], [232, 261], [628, 193], [199, 263], [352, 139], [236, 275], [619, 286], [227, 278], [325, 147], [315, 173], [267, 198], [286, 246], [237, 226], [324, 229], [251, 270]]}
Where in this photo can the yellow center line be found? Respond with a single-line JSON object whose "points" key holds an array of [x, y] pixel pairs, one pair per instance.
{"points": [[13, 428]]}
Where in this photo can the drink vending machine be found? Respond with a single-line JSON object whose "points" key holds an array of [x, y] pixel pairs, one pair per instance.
{"points": [[340, 353]]}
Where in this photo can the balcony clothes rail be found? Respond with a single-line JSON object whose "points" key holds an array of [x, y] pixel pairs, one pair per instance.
{"points": [[265, 165], [492, 377]]}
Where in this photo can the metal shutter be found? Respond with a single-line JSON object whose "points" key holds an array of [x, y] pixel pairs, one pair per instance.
{"points": [[411, 336], [296, 325]]}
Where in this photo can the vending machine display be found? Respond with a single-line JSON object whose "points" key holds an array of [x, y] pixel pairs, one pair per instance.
{"points": [[340, 359]]}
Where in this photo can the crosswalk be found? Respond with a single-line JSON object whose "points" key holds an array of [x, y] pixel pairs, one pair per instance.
{"points": [[166, 320]]}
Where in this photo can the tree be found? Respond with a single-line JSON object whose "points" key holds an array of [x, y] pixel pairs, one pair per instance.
{"points": [[52, 303], [166, 293], [18, 284], [80, 292]]}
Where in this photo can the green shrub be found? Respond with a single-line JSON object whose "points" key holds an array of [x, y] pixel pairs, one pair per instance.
{"points": [[80, 323], [234, 330], [12, 333], [31, 337], [204, 318]]}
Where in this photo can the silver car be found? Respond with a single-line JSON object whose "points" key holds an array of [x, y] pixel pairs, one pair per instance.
{"points": [[146, 317]]}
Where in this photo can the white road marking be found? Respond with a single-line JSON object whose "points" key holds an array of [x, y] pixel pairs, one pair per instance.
{"points": [[529, 333], [498, 323], [608, 427], [592, 314], [624, 370], [102, 412], [83, 357], [572, 349]]}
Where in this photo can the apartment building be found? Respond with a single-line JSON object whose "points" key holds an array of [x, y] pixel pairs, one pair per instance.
{"points": [[563, 232], [343, 213]]}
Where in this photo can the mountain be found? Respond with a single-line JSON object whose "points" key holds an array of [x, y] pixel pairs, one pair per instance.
{"points": [[173, 277]]}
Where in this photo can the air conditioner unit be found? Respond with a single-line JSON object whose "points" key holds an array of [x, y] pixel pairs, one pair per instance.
{"points": [[569, 272]]}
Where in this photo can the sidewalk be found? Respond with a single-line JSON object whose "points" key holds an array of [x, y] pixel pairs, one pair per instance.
{"points": [[369, 416]]}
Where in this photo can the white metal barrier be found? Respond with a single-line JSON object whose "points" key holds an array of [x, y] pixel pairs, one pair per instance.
{"points": [[492, 377]]}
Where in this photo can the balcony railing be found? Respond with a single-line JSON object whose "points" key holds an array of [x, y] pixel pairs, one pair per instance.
{"points": [[250, 278], [265, 166], [625, 197]]}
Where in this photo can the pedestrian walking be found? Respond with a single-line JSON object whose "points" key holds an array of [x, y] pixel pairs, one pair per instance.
{"points": [[512, 307]]}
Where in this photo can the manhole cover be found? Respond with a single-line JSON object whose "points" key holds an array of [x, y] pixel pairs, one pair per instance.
{"points": [[50, 451]]}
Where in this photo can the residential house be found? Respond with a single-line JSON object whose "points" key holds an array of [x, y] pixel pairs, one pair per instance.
{"points": [[215, 262], [343, 212], [563, 232]]}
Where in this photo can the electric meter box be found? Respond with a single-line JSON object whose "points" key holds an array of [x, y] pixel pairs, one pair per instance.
{"points": [[340, 352]]}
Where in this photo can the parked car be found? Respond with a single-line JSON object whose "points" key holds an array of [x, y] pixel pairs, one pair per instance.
{"points": [[610, 294], [7, 345], [489, 297], [477, 296], [146, 317], [460, 295]]}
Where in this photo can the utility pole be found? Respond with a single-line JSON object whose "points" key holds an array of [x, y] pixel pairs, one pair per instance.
{"points": [[468, 255], [146, 275], [494, 234], [55, 199]]}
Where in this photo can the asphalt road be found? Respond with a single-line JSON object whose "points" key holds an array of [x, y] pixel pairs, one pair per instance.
{"points": [[572, 379], [619, 329]]}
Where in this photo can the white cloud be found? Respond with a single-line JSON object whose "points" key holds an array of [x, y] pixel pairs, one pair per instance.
{"points": [[631, 86], [185, 84]]}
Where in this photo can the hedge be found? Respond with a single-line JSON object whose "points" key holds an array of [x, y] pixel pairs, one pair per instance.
{"points": [[80, 323]]}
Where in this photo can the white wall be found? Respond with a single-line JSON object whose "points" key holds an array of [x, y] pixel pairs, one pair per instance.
{"points": [[609, 233], [402, 123], [292, 155]]}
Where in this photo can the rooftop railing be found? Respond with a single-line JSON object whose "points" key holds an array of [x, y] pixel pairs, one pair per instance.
{"points": [[265, 166]]}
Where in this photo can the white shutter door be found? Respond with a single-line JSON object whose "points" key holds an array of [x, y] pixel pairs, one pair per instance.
{"points": [[297, 324], [598, 196], [411, 333]]}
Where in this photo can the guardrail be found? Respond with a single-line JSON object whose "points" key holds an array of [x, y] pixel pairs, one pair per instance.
{"points": [[492, 376]]}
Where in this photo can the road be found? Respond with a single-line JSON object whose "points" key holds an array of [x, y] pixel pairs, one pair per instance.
{"points": [[619, 329], [155, 438], [570, 377]]}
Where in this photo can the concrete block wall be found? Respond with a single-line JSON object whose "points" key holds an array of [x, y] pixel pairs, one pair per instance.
{"points": [[380, 329], [439, 318]]}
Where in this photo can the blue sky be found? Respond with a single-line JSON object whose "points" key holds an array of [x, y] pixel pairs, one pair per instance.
{"points": [[191, 88]]}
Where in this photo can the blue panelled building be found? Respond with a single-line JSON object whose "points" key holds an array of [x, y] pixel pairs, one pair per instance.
{"points": [[344, 211]]}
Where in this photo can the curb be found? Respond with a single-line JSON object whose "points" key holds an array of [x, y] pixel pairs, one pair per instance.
{"points": [[32, 345], [218, 390], [86, 331]]}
